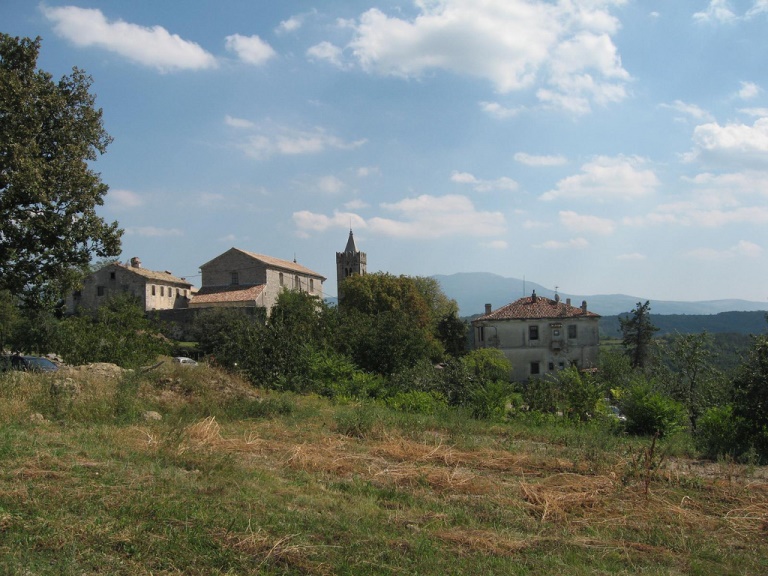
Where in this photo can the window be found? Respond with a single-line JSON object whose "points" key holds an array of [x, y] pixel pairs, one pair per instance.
{"points": [[533, 333], [296, 283], [153, 289], [234, 279], [561, 365], [572, 331], [77, 294], [551, 366], [481, 334], [111, 275], [311, 285], [162, 290], [535, 368], [281, 278], [99, 290]]}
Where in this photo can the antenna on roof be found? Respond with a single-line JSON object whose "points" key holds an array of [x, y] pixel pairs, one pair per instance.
{"points": [[294, 257]]}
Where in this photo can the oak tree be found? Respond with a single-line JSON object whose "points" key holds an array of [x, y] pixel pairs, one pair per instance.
{"points": [[49, 133]]}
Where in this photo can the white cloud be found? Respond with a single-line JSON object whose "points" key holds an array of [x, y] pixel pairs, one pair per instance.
{"points": [[692, 110], [437, 217], [575, 244], [582, 223], [479, 185], [366, 171], [566, 47], [754, 111], [327, 52], [736, 144], [496, 244], [498, 111], [330, 184], [537, 160], [208, 199], [238, 122], [607, 178], [631, 257], [743, 249], [717, 11], [290, 25], [250, 49], [152, 231], [748, 90], [261, 143], [124, 199], [307, 222], [154, 47], [355, 204], [759, 7]]}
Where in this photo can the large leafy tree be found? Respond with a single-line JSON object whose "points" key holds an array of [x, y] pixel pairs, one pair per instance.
{"points": [[49, 132], [638, 330]]}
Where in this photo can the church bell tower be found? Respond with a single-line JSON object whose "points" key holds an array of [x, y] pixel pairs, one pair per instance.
{"points": [[349, 262]]}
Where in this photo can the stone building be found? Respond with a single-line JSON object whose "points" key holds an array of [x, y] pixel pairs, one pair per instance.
{"points": [[238, 278], [540, 335], [349, 262], [155, 290]]}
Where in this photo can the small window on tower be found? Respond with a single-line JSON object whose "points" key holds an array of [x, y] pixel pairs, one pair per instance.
{"points": [[235, 279]]}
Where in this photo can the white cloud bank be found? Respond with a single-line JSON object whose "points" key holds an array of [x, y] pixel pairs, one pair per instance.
{"points": [[565, 48], [250, 49], [607, 179], [425, 217], [733, 144], [149, 46]]}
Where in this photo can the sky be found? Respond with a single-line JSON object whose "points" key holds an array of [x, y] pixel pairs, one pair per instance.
{"points": [[593, 146]]}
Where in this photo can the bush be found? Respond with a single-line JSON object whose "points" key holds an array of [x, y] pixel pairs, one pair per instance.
{"points": [[489, 401], [649, 412], [718, 431], [416, 402]]}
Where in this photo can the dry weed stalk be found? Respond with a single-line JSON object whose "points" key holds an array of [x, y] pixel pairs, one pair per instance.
{"points": [[560, 494]]}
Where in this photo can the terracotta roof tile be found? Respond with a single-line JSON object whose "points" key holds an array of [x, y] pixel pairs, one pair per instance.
{"points": [[537, 307], [229, 294]]}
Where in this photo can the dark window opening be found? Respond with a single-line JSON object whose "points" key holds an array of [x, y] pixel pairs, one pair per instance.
{"points": [[572, 331], [533, 332], [535, 368]]}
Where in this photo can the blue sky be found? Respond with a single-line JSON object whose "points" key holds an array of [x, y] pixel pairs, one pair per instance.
{"points": [[597, 146]]}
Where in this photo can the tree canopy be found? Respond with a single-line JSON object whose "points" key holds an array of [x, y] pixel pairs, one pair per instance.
{"points": [[49, 132], [638, 331]]}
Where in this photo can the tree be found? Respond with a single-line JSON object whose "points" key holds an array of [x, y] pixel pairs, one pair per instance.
{"points": [[693, 380], [638, 332], [750, 403], [49, 132]]}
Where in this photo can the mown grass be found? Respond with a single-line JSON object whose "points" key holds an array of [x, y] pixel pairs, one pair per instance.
{"points": [[234, 480]]}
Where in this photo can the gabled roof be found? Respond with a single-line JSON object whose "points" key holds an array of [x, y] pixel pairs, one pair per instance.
{"points": [[535, 308], [229, 294], [272, 262], [166, 277]]}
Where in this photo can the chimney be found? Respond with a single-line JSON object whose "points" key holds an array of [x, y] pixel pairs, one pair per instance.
{"points": [[568, 302], [135, 262], [534, 298], [583, 306], [487, 309]]}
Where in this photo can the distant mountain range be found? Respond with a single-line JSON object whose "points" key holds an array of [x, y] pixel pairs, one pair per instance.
{"points": [[472, 290]]}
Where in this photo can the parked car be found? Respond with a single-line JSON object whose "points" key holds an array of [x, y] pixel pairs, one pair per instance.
{"points": [[184, 361], [26, 363]]}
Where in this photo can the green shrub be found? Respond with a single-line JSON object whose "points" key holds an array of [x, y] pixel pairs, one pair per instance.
{"points": [[416, 402], [489, 401], [718, 431], [356, 421], [650, 412]]}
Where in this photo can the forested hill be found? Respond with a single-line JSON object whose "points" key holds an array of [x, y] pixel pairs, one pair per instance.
{"points": [[724, 322]]}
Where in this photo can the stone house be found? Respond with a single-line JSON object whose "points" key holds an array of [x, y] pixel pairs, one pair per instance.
{"points": [[238, 278], [540, 335], [155, 290]]}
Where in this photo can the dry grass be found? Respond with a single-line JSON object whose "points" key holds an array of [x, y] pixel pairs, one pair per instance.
{"points": [[206, 493]]}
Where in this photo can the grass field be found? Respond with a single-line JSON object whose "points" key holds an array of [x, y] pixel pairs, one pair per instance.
{"points": [[233, 480]]}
